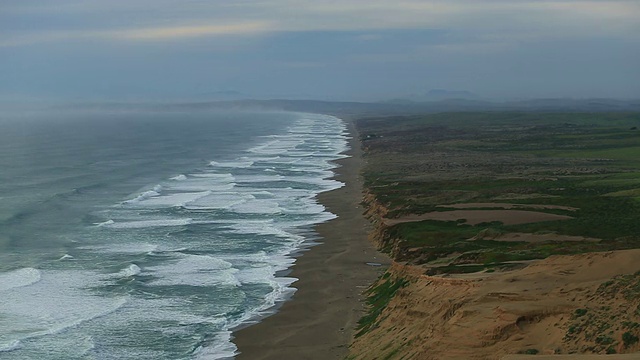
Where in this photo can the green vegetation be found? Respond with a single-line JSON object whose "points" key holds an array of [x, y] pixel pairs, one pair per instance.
{"points": [[531, 352], [426, 241], [605, 340], [584, 161], [391, 354], [582, 166], [378, 297], [630, 325], [614, 322], [629, 339], [580, 312], [626, 286]]}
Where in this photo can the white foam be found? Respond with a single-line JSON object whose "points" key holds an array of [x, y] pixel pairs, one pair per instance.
{"points": [[130, 271], [149, 223], [262, 159], [145, 195], [63, 346], [201, 186], [126, 248], [301, 154], [276, 147], [303, 209], [257, 206], [106, 223], [289, 192], [256, 274], [220, 347], [241, 164], [283, 160], [259, 178], [254, 195], [281, 288], [194, 270], [163, 252], [262, 193], [174, 308], [326, 184], [219, 201], [262, 227], [52, 305], [221, 177], [262, 268], [66, 257], [19, 278], [268, 195], [13, 345], [204, 182], [172, 200]]}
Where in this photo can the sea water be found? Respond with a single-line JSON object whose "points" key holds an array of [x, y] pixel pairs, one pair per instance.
{"points": [[151, 235]]}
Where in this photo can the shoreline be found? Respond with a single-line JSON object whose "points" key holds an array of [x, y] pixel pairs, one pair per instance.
{"points": [[318, 321]]}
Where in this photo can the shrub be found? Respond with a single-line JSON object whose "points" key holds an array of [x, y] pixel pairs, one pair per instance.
{"points": [[580, 312], [629, 339]]}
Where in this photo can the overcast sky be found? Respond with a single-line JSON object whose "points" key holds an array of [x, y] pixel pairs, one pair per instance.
{"points": [[348, 49]]}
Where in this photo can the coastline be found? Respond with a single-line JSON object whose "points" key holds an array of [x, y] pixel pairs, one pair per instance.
{"points": [[318, 321]]}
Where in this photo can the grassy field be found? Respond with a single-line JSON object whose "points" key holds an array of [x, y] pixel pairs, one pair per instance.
{"points": [[419, 164]]}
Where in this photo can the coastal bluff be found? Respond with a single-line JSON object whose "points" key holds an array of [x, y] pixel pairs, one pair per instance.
{"points": [[509, 236]]}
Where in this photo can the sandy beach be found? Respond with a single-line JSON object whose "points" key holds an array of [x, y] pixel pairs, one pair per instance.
{"points": [[318, 322]]}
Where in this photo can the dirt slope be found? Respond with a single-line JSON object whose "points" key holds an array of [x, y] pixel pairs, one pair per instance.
{"points": [[560, 305]]}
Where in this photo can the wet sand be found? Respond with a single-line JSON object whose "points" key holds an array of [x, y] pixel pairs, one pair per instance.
{"points": [[318, 322]]}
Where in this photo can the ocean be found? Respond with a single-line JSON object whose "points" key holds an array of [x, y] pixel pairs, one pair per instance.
{"points": [[153, 234]]}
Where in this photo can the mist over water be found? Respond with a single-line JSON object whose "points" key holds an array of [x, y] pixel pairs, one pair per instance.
{"points": [[151, 235]]}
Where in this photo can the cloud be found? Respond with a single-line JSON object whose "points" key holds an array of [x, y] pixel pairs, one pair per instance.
{"points": [[140, 34], [560, 16], [165, 20], [177, 32]]}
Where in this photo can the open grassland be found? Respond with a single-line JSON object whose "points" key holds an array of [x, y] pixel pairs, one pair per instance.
{"points": [[583, 167], [512, 233]]}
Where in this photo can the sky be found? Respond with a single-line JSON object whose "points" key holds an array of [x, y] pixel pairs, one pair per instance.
{"points": [[363, 50]]}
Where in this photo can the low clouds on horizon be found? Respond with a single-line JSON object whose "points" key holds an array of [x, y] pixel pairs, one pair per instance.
{"points": [[352, 49]]}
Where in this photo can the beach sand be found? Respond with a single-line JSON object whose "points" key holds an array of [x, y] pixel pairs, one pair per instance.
{"points": [[318, 322]]}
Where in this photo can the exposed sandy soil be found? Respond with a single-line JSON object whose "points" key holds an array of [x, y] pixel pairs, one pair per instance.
{"points": [[507, 206], [473, 217], [492, 315], [536, 238]]}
